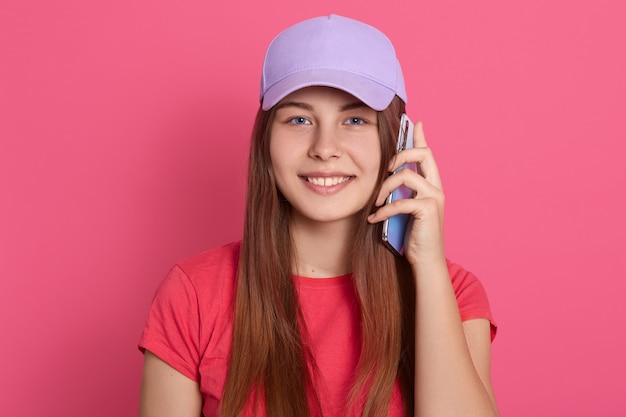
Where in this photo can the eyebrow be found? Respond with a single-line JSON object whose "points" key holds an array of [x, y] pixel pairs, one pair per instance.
{"points": [[294, 104], [352, 106], [345, 107]]}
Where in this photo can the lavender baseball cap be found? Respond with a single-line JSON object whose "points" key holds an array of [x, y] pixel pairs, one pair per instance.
{"points": [[332, 51]]}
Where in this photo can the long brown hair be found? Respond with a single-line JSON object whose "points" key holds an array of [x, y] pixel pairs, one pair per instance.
{"points": [[269, 360]]}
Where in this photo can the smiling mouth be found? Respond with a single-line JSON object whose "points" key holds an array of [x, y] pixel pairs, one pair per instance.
{"points": [[327, 181]]}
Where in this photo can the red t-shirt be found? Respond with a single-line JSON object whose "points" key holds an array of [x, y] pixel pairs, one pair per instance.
{"points": [[190, 325]]}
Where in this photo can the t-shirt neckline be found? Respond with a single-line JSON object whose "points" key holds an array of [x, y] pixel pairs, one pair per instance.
{"points": [[323, 282]]}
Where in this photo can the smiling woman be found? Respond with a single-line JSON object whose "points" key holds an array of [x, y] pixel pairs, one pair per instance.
{"points": [[323, 143], [310, 314]]}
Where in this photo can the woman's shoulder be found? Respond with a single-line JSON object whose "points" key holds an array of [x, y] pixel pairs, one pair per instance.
{"points": [[470, 295], [191, 313], [459, 275], [225, 256], [217, 266], [465, 283]]}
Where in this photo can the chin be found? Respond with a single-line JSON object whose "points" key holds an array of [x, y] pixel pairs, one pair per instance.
{"points": [[328, 215]]}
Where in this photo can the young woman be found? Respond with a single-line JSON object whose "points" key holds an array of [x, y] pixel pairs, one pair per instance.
{"points": [[310, 314]]}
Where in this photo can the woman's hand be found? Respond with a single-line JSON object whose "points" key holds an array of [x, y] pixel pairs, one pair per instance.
{"points": [[424, 237]]}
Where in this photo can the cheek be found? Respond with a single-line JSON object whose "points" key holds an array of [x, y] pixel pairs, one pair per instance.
{"points": [[275, 153], [279, 147], [371, 165], [370, 159]]}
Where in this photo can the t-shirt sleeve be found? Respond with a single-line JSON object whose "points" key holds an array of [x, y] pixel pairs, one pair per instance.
{"points": [[471, 296], [172, 331]]}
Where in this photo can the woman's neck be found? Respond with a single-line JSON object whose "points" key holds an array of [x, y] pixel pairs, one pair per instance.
{"points": [[322, 250]]}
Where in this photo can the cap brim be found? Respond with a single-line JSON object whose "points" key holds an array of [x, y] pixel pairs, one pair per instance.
{"points": [[373, 94]]}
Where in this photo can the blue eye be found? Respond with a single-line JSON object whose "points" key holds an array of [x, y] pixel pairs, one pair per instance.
{"points": [[299, 121], [355, 121]]}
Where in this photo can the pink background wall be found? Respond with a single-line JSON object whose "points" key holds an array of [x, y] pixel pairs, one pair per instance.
{"points": [[123, 137]]}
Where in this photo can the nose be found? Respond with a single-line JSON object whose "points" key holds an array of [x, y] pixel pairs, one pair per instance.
{"points": [[325, 144]]}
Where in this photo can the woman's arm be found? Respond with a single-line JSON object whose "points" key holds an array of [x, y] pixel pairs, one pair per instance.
{"points": [[452, 359], [478, 338], [452, 375], [165, 392]]}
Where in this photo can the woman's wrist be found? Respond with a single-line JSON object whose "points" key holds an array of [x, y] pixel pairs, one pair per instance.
{"points": [[429, 266]]}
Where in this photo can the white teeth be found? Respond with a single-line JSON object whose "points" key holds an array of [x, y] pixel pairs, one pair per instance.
{"points": [[327, 182]]}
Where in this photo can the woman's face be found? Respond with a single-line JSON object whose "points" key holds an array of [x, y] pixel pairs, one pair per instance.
{"points": [[325, 152]]}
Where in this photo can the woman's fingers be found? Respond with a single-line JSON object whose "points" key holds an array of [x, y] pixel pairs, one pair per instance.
{"points": [[421, 186], [419, 139], [420, 154], [418, 207], [422, 190], [425, 186]]}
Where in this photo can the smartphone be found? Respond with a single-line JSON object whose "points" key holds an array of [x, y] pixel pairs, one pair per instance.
{"points": [[395, 226]]}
